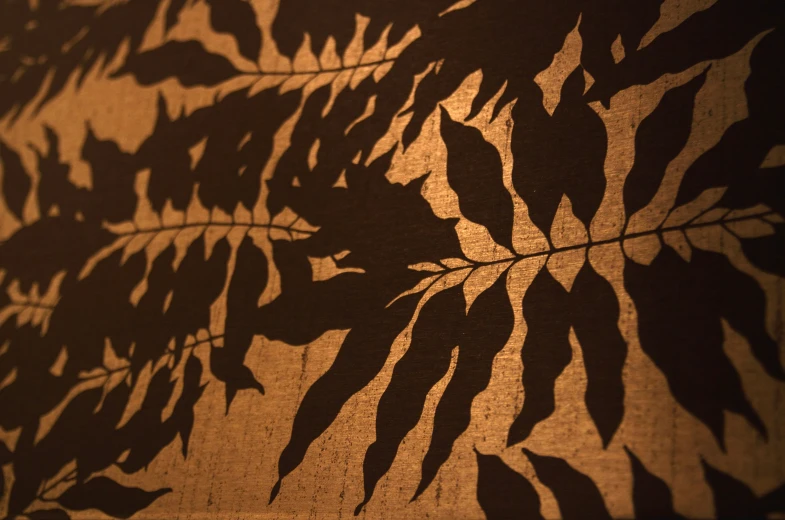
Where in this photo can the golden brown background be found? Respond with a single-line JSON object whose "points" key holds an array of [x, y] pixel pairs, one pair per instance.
{"points": [[233, 456]]}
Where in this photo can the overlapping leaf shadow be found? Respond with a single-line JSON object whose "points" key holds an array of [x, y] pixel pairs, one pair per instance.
{"points": [[62, 40], [94, 313], [504, 493], [575, 169], [372, 230]]}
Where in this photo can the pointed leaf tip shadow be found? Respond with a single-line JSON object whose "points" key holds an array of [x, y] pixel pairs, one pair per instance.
{"points": [[732, 497], [192, 391], [546, 352], [173, 13], [651, 496], [360, 358], [577, 495], [243, 376], [425, 363], [274, 492], [558, 155], [475, 173], [734, 162], [504, 493], [248, 282], [594, 310], [680, 309], [486, 330], [659, 139], [488, 88]]}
